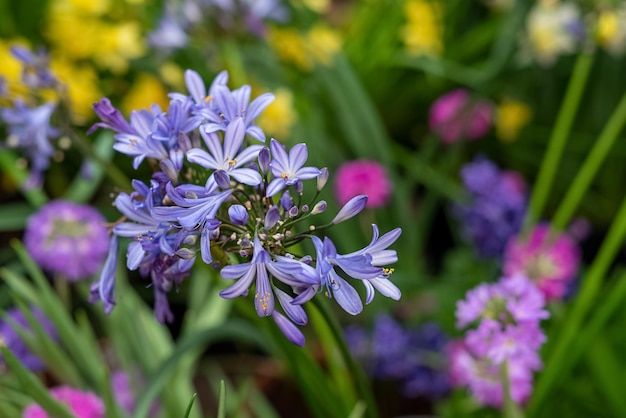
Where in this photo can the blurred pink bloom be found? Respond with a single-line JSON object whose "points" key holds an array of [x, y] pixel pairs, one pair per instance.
{"points": [[552, 263], [363, 177], [455, 116], [82, 404]]}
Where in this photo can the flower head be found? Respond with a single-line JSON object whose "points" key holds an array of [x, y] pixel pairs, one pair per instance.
{"points": [[288, 169], [363, 177], [456, 116], [550, 259], [67, 239], [496, 208], [11, 339], [82, 404]]}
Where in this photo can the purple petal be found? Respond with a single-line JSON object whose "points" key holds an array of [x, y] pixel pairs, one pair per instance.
{"points": [[290, 331], [345, 295], [195, 85], [351, 208]]}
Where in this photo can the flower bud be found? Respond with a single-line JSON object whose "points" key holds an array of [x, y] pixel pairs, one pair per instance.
{"points": [[322, 178], [222, 179], [271, 217], [264, 160], [350, 209], [319, 207], [238, 214], [285, 201]]}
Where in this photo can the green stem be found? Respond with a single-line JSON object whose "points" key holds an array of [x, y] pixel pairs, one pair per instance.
{"points": [[511, 409], [8, 164], [558, 138], [363, 387], [591, 165], [572, 322]]}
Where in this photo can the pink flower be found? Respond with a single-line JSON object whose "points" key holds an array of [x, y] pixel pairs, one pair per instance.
{"points": [[363, 177], [551, 262], [455, 116], [82, 404]]}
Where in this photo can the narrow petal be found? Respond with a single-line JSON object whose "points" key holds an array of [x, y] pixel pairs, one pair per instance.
{"points": [[203, 158], [345, 295], [290, 331], [195, 86], [263, 297], [298, 156], [246, 176], [386, 288], [258, 105], [233, 138], [241, 286], [294, 312], [275, 186], [134, 255], [205, 247], [235, 271]]}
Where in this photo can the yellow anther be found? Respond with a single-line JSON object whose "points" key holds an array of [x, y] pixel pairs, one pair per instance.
{"points": [[208, 98], [284, 176], [232, 162]]}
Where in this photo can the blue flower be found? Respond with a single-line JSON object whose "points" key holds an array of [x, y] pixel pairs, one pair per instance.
{"points": [[288, 271], [228, 157], [198, 213], [288, 169], [30, 130], [104, 289]]}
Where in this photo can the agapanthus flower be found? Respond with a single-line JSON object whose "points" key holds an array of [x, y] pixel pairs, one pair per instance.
{"points": [[228, 157], [496, 207], [549, 258], [221, 106], [82, 404], [67, 239], [11, 339], [364, 264], [288, 169], [456, 116], [507, 335], [362, 177], [219, 204], [29, 130]]}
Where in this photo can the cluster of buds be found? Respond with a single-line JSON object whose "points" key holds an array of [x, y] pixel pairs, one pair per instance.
{"points": [[219, 193]]}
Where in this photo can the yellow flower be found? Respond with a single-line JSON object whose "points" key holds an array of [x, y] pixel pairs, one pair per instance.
{"points": [[145, 91], [611, 30], [290, 47], [94, 7], [318, 45], [423, 32], [324, 43], [11, 69], [548, 26], [82, 87], [511, 117], [318, 6], [173, 75], [278, 118], [117, 44]]}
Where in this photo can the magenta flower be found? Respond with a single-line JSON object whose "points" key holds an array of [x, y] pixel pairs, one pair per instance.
{"points": [[363, 177], [67, 239], [456, 116], [551, 262], [82, 404]]}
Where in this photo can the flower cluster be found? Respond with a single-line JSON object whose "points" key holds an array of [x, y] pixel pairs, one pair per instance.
{"points": [[548, 258], [218, 193], [496, 208], [504, 343], [456, 116], [28, 117], [62, 231], [410, 355]]}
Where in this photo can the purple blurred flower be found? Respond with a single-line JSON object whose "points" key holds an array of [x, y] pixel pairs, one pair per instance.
{"points": [[67, 239], [36, 72], [496, 207], [507, 315], [455, 116], [11, 339], [29, 130]]}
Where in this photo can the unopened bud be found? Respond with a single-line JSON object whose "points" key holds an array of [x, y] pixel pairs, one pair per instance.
{"points": [[319, 207], [322, 178]]}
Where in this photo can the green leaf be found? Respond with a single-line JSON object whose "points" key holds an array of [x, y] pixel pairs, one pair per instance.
{"points": [[191, 402], [221, 407], [13, 216], [32, 386], [231, 329]]}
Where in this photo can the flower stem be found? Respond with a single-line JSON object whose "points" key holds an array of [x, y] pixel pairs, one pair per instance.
{"points": [[590, 167], [511, 409], [558, 138], [362, 384]]}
